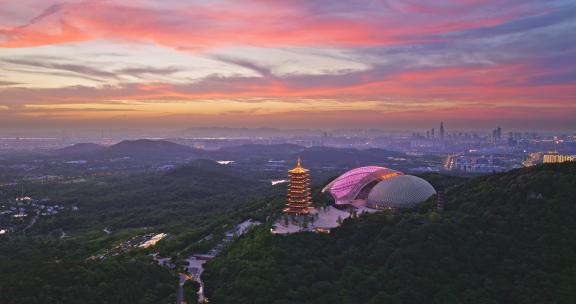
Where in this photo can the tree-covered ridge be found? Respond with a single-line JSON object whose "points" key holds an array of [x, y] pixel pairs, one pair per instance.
{"points": [[40, 272], [50, 263], [504, 238], [187, 196]]}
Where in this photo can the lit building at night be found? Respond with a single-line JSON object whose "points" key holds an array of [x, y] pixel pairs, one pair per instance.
{"points": [[378, 188], [557, 158], [362, 190], [357, 183], [299, 197]]}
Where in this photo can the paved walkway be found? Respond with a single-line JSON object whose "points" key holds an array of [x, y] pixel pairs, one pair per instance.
{"points": [[323, 219], [180, 293], [196, 262]]}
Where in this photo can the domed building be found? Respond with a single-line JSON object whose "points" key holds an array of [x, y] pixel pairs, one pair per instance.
{"points": [[403, 191], [357, 183], [362, 190], [378, 188]]}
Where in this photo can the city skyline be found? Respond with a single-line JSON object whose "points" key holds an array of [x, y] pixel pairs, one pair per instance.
{"points": [[391, 64]]}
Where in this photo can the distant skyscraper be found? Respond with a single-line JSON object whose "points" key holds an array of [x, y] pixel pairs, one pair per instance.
{"points": [[433, 132], [299, 197], [442, 130], [497, 134]]}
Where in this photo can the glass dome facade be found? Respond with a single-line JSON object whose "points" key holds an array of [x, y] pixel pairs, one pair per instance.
{"points": [[402, 191]]}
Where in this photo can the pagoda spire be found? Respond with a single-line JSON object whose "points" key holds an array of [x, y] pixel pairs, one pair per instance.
{"points": [[299, 196]]}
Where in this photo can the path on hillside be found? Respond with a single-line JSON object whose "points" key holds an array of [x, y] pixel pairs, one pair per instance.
{"points": [[180, 293], [194, 270], [33, 221]]}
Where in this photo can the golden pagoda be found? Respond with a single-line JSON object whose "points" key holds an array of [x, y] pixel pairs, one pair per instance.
{"points": [[299, 197]]}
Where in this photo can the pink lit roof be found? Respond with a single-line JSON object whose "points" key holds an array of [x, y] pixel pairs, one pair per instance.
{"points": [[346, 187]]}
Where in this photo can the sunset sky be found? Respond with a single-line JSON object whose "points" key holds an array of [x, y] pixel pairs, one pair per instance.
{"points": [[288, 63]]}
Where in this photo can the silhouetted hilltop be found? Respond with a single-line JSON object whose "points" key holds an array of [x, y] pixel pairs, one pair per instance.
{"points": [[147, 147], [141, 149], [79, 149], [202, 167]]}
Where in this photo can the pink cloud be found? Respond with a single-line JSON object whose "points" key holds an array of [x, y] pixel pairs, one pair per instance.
{"points": [[198, 27], [500, 85], [511, 86]]}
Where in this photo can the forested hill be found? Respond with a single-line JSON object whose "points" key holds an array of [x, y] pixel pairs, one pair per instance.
{"points": [[50, 263], [503, 238]]}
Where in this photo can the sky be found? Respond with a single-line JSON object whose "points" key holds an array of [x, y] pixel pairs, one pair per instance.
{"points": [[288, 64]]}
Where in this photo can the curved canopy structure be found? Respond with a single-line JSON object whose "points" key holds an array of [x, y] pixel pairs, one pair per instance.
{"points": [[357, 182], [402, 191]]}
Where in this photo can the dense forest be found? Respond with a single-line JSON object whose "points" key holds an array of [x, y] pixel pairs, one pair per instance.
{"points": [[502, 238], [49, 263], [177, 200], [40, 272]]}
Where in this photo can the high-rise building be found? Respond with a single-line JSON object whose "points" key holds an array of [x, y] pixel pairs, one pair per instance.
{"points": [[442, 130], [497, 134], [299, 197]]}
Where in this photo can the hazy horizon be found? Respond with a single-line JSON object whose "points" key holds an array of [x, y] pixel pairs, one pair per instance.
{"points": [[241, 132]]}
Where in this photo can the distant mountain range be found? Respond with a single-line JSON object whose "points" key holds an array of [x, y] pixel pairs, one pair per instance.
{"points": [[145, 149], [79, 149], [138, 149], [148, 148]]}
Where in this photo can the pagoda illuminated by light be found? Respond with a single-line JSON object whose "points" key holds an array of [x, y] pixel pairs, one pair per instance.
{"points": [[299, 197]]}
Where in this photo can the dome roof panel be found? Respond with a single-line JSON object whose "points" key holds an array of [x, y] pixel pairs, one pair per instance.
{"points": [[400, 192]]}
